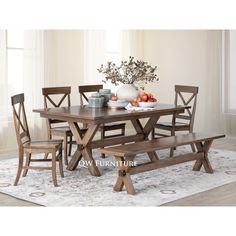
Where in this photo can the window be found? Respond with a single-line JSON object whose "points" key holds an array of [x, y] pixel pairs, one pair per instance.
{"points": [[11, 68], [15, 54]]}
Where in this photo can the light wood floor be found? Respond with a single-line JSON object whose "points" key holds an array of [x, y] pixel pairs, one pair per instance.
{"points": [[220, 196]]}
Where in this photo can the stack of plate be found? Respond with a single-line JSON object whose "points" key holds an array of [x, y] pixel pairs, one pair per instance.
{"points": [[147, 104], [117, 104]]}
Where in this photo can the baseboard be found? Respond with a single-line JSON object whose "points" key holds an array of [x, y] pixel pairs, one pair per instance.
{"points": [[8, 152]]}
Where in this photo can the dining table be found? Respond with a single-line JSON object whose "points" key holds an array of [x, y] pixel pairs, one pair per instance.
{"points": [[142, 120]]}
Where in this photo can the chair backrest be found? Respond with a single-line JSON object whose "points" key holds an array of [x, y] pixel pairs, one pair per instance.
{"points": [[186, 95], [83, 89], [49, 92], [63, 96], [20, 120]]}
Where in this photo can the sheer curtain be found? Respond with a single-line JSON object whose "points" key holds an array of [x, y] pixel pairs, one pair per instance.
{"points": [[4, 98], [49, 51], [229, 71], [33, 81], [217, 120], [228, 83], [116, 45], [131, 44], [101, 46], [34, 78], [3, 81], [94, 55]]}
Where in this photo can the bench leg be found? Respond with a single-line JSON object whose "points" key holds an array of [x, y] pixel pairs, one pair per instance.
{"points": [[119, 184], [171, 152], [207, 165], [128, 184], [204, 148], [197, 166], [126, 181], [124, 178]]}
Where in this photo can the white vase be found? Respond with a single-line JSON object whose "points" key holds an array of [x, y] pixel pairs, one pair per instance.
{"points": [[128, 92]]}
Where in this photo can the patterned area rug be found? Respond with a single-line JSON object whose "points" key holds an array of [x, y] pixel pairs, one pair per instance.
{"points": [[153, 188]]}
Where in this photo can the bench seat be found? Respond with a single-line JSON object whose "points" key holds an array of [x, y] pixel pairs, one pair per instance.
{"points": [[128, 152], [158, 144]]}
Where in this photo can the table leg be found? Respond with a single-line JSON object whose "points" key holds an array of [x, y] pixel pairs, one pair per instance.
{"points": [[84, 142], [75, 159], [146, 130], [137, 126], [87, 155]]}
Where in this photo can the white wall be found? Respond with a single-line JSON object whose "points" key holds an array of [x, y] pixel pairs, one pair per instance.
{"points": [[182, 57], [69, 60]]}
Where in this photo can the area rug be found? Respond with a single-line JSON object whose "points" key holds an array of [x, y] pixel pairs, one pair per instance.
{"points": [[153, 188]]}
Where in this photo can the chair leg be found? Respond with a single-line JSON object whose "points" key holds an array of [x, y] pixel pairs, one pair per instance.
{"points": [[65, 144], [61, 167], [20, 166], [193, 147], [153, 133], [70, 146], [61, 164], [54, 172], [46, 156], [49, 138], [102, 137], [123, 131], [173, 148], [27, 163]]}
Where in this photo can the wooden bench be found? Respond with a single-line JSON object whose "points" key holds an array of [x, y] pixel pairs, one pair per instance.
{"points": [[126, 153]]}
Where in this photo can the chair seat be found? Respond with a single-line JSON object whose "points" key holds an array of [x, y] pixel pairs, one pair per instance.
{"points": [[169, 124], [52, 144]]}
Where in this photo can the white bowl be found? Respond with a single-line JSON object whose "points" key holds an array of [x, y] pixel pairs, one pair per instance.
{"points": [[147, 104], [117, 104]]}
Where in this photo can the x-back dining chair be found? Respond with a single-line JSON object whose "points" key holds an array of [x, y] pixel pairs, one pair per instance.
{"points": [[55, 127], [184, 95], [83, 91], [27, 147]]}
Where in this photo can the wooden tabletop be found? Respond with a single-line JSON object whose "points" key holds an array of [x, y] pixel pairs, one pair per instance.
{"points": [[104, 115]]}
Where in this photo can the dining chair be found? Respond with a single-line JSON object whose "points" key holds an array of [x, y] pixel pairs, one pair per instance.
{"points": [[27, 147], [184, 95], [83, 91], [56, 127]]}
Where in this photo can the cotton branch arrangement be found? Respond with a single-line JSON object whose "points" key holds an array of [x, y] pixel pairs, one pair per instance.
{"points": [[129, 72]]}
